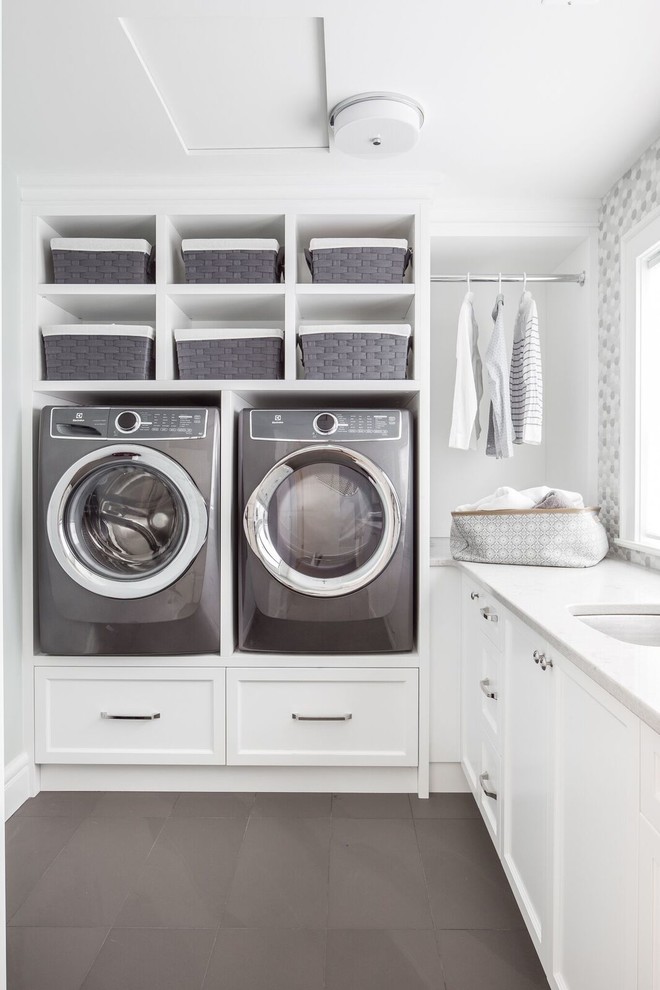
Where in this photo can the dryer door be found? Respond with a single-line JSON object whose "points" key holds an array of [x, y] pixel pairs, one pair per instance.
{"points": [[126, 521], [325, 521]]}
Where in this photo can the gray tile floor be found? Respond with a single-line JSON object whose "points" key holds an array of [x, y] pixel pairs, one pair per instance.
{"points": [[147, 891]]}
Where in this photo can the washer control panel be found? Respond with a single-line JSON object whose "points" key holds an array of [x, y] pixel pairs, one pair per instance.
{"points": [[327, 425], [118, 422]]}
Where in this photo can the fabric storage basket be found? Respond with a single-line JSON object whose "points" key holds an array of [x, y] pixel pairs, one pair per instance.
{"points": [[231, 259], [355, 351], [358, 259], [96, 260], [217, 354], [536, 537], [98, 352]]}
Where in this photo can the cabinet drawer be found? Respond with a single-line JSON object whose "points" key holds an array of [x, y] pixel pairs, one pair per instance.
{"points": [[136, 715], [290, 717], [485, 611], [650, 775], [489, 797]]}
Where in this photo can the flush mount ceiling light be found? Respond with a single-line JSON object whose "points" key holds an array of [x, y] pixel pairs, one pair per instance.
{"points": [[376, 125]]}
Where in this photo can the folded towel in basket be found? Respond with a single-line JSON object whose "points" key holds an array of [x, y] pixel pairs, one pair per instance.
{"points": [[529, 498]]}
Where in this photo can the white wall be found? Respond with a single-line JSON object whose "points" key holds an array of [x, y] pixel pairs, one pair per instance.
{"points": [[571, 399], [11, 474], [566, 458]]}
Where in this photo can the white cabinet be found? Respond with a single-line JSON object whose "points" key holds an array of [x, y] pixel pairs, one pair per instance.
{"points": [[322, 717], [481, 702], [528, 685], [129, 715], [649, 863], [648, 969], [596, 809], [554, 762]]}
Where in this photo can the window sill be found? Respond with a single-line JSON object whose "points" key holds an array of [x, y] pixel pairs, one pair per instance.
{"points": [[638, 547]]}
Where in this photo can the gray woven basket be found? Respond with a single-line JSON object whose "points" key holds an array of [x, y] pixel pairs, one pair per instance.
{"points": [[361, 353], [97, 355], [531, 537], [350, 263], [226, 260], [228, 355], [82, 261]]}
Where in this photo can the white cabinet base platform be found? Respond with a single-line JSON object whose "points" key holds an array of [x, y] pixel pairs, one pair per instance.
{"points": [[349, 780]]}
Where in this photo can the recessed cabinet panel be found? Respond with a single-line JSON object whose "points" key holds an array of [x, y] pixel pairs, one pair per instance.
{"points": [[527, 761], [489, 794], [327, 717], [649, 906], [595, 822], [650, 775], [102, 715]]}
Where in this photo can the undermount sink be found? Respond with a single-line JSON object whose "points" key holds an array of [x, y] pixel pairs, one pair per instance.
{"points": [[639, 628]]}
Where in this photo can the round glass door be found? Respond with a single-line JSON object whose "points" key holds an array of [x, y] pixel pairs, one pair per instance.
{"points": [[126, 522], [325, 521]]}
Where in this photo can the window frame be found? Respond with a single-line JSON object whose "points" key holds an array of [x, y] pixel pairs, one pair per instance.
{"points": [[638, 245]]}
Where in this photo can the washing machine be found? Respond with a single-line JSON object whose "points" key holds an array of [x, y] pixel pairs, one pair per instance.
{"points": [[127, 535], [327, 535]]}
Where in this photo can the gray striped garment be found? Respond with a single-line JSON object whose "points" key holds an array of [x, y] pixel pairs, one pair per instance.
{"points": [[526, 378], [500, 430]]}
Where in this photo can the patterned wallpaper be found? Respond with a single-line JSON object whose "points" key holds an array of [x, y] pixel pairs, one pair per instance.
{"points": [[628, 201]]}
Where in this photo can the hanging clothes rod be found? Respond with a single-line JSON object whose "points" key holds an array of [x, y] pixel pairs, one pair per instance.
{"points": [[579, 279]]}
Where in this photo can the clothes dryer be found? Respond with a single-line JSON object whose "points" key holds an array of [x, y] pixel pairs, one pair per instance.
{"points": [[327, 533]]}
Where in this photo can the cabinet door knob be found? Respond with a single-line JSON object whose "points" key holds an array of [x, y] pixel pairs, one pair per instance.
{"points": [[537, 656], [485, 687], [546, 662], [483, 777], [489, 614], [474, 595]]}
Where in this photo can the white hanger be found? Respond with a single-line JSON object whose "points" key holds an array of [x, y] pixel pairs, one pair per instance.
{"points": [[499, 286], [468, 281], [524, 281]]}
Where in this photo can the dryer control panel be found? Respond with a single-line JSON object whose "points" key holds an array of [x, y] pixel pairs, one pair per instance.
{"points": [[121, 423], [325, 425]]}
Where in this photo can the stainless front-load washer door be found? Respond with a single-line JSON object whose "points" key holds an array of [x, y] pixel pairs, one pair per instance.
{"points": [[325, 521], [126, 521]]}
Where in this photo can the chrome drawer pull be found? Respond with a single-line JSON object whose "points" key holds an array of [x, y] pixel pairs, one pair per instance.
{"points": [[474, 595], [485, 687], [483, 777], [132, 718], [321, 718], [489, 614]]}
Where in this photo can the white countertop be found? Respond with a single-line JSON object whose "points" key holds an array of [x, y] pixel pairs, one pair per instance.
{"points": [[542, 596]]}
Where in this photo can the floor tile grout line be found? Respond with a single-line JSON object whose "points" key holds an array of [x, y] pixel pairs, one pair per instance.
{"points": [[428, 899], [91, 965], [43, 874], [144, 864]]}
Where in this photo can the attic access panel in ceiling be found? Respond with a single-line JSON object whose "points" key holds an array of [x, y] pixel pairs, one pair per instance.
{"points": [[237, 83]]}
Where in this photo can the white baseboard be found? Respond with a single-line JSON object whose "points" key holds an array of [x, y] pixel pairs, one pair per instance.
{"points": [[17, 784], [445, 777]]}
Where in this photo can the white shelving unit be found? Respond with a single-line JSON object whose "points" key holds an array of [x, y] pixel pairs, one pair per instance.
{"points": [[171, 304]]}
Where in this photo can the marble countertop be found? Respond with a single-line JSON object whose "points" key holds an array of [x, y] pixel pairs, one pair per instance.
{"points": [[543, 596]]}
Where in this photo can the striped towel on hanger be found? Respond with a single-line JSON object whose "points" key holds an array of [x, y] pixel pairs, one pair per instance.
{"points": [[526, 378]]}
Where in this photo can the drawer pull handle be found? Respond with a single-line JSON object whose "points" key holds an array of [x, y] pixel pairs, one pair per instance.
{"points": [[132, 718], [474, 595], [485, 687], [321, 718], [489, 614], [483, 777]]}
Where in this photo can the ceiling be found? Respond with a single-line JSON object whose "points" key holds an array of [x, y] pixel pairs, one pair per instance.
{"points": [[522, 99]]}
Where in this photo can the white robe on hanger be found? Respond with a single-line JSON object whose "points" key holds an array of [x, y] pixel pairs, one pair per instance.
{"points": [[468, 387]]}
